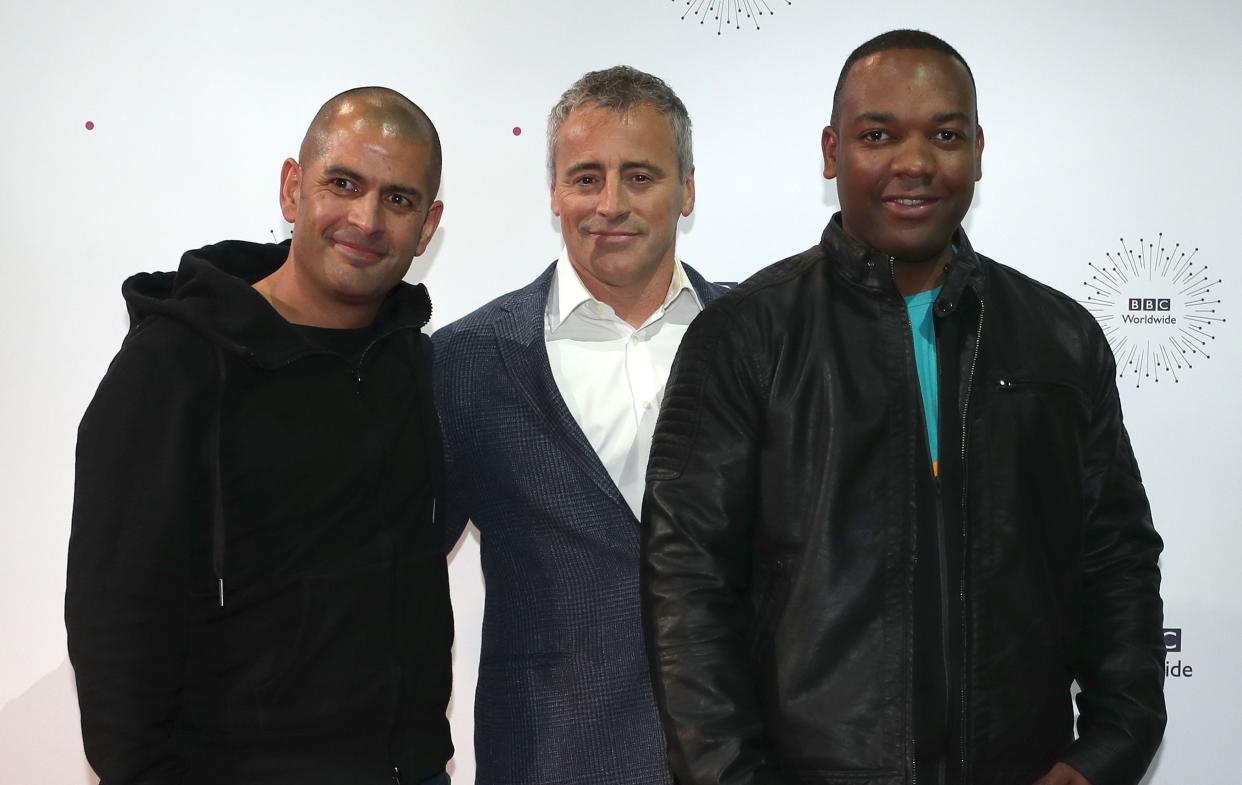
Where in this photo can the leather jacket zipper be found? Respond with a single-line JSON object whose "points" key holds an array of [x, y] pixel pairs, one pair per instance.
{"points": [[914, 768], [970, 381], [940, 534]]}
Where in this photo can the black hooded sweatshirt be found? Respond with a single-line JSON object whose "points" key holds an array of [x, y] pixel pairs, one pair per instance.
{"points": [[256, 593]]}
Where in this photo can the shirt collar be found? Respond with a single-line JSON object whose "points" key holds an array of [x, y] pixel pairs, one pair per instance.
{"points": [[568, 296]]}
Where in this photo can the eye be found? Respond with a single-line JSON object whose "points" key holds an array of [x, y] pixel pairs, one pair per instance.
{"points": [[585, 179], [949, 135], [342, 184], [875, 135], [642, 179], [400, 200]]}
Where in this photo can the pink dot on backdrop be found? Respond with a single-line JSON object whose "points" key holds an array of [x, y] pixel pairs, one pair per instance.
{"points": [[90, 126], [517, 131]]}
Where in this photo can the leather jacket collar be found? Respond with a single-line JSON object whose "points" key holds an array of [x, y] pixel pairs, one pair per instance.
{"points": [[871, 269]]}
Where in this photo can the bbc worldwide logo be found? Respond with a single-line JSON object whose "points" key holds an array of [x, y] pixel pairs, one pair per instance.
{"points": [[1159, 308], [1173, 645]]}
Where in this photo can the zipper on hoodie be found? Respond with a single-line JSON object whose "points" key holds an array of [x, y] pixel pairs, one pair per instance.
{"points": [[357, 369], [218, 525]]}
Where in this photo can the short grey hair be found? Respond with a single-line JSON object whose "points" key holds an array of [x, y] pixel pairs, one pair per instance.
{"points": [[622, 88]]}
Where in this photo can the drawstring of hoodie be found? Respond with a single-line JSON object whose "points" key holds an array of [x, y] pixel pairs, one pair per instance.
{"points": [[217, 482]]}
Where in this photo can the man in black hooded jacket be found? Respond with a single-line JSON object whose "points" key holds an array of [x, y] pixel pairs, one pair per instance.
{"points": [[255, 591]]}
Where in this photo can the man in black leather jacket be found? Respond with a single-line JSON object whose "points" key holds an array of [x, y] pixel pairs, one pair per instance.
{"points": [[882, 539]]}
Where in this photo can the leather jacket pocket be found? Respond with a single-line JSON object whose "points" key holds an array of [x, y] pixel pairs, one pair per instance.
{"points": [[1012, 387]]}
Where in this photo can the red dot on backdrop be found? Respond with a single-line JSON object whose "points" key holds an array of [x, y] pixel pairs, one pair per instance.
{"points": [[90, 126], [517, 131]]}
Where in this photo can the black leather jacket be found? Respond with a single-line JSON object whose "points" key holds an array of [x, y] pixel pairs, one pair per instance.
{"points": [[782, 512]]}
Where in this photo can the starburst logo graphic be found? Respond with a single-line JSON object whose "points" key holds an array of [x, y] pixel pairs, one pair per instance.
{"points": [[727, 14], [1157, 306]]}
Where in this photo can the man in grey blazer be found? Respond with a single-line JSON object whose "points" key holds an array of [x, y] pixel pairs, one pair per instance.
{"points": [[548, 399]]}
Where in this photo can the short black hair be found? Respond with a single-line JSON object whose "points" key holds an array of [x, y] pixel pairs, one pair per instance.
{"points": [[901, 39]]}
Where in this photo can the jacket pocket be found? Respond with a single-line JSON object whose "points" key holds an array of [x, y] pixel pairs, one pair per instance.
{"points": [[1039, 392], [1034, 426], [339, 669]]}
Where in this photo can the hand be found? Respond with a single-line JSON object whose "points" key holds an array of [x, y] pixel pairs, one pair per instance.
{"points": [[1062, 774]]}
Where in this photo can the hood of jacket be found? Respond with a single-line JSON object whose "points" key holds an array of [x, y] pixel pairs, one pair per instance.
{"points": [[212, 293]]}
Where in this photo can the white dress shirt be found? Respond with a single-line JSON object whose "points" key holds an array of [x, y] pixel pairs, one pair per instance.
{"points": [[611, 375]]}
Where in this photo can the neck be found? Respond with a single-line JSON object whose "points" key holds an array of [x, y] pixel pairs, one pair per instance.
{"points": [[298, 303], [633, 301], [914, 277]]}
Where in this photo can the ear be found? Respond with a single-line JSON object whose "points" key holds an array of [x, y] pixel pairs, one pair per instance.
{"points": [[829, 141], [687, 202], [434, 212], [290, 189], [556, 200], [978, 153]]}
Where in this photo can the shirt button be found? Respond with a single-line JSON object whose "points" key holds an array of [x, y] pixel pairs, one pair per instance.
{"points": [[634, 339], [646, 404]]}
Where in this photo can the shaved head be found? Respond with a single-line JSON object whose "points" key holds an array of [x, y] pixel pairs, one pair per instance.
{"points": [[381, 108]]}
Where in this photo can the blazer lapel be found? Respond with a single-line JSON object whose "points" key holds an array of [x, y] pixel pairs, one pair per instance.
{"points": [[520, 341], [706, 290]]}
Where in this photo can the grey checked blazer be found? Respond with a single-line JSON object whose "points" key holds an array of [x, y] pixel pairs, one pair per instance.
{"points": [[564, 693]]}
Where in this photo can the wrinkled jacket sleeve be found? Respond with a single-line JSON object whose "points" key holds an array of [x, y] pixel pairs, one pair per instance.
{"points": [[1120, 663], [699, 515], [452, 510], [139, 487]]}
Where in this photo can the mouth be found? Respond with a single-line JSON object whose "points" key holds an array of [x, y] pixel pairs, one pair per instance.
{"points": [[611, 236], [358, 254], [909, 206]]}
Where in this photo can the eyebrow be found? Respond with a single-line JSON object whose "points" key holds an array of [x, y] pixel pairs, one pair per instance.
{"points": [[344, 171], [888, 117], [651, 165], [592, 166], [875, 117]]}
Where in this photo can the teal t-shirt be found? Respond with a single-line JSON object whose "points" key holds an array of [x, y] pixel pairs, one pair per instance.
{"points": [[923, 329]]}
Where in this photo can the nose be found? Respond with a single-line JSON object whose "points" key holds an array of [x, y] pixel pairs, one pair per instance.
{"points": [[366, 214], [916, 158], [613, 201]]}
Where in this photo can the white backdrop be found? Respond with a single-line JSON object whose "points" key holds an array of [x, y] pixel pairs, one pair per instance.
{"points": [[1109, 125]]}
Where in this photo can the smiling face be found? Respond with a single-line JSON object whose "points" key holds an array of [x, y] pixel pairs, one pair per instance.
{"points": [[906, 151], [361, 207], [618, 193]]}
